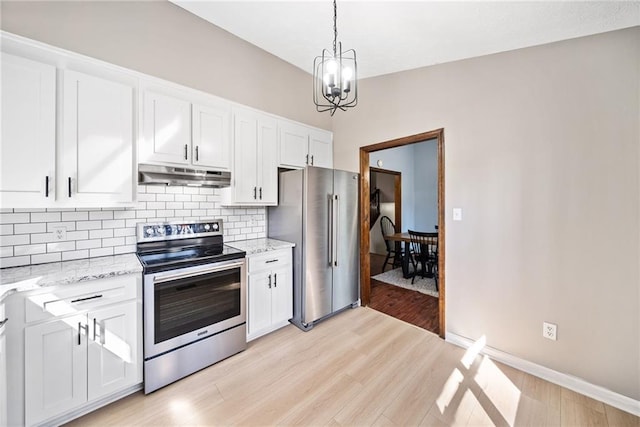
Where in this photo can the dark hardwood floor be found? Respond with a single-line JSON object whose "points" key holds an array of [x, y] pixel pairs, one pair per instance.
{"points": [[404, 304]]}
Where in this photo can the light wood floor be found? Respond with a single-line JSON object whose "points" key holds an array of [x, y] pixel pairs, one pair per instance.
{"points": [[361, 367]]}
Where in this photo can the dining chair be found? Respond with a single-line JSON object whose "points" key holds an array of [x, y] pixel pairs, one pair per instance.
{"points": [[424, 250], [393, 248]]}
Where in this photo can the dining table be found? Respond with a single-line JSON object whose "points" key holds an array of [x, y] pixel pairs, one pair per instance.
{"points": [[406, 253]]}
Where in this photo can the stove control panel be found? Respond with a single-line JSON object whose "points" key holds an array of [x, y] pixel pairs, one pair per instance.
{"points": [[175, 230]]}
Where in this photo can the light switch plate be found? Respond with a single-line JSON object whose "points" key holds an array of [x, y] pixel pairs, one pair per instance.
{"points": [[457, 214]]}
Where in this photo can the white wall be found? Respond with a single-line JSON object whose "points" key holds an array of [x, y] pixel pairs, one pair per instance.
{"points": [[542, 153]]}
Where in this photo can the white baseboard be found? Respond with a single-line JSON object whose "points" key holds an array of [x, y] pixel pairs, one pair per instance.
{"points": [[572, 383]]}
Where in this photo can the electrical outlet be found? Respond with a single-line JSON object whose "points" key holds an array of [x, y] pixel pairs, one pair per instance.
{"points": [[549, 330], [252, 222], [60, 233]]}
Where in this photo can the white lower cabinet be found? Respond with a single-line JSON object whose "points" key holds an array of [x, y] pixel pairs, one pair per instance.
{"points": [[82, 345], [3, 367], [270, 295]]}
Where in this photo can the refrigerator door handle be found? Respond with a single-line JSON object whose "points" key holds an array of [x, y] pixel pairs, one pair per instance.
{"points": [[336, 228], [330, 228]]}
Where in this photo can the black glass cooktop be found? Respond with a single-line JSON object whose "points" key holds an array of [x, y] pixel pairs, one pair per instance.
{"points": [[155, 261]]}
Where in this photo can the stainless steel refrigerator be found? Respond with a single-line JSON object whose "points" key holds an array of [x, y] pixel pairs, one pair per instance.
{"points": [[318, 211]]}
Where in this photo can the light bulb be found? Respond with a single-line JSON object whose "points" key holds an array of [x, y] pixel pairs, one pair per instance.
{"points": [[332, 66], [347, 73]]}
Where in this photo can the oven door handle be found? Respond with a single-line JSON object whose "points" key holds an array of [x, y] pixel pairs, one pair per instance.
{"points": [[161, 278]]}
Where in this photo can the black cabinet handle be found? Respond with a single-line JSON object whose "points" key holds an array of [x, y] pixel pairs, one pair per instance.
{"points": [[269, 281], [186, 152], [312, 160], [307, 161], [255, 189], [86, 299], [197, 156], [271, 260], [260, 193], [275, 280], [79, 336], [2, 323], [46, 186], [69, 181]]}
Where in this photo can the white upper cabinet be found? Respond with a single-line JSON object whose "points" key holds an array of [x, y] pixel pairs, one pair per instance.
{"points": [[184, 128], [166, 130], [211, 136], [27, 148], [255, 172], [300, 146], [96, 146]]}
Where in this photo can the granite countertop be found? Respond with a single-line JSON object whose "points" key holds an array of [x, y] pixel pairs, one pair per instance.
{"points": [[256, 246], [20, 279]]}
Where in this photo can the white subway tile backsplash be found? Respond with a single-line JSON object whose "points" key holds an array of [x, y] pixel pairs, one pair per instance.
{"points": [[115, 241], [88, 244], [113, 223], [30, 228], [100, 252], [42, 237], [101, 234], [42, 258], [88, 225], [45, 216], [14, 218], [15, 261], [67, 256], [127, 214], [124, 232], [16, 239], [69, 226], [75, 216], [29, 249], [101, 215], [61, 246], [26, 235]]}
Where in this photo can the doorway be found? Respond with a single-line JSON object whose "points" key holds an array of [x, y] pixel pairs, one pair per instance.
{"points": [[365, 214]]}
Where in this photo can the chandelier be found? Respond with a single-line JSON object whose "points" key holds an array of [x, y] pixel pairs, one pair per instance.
{"points": [[335, 84]]}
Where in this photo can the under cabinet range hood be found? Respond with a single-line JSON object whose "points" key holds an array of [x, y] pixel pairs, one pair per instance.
{"points": [[171, 175]]}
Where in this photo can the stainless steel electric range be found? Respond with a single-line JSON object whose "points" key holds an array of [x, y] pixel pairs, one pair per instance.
{"points": [[194, 294]]}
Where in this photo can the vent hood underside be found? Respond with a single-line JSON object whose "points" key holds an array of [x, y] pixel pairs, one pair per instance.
{"points": [[170, 175]]}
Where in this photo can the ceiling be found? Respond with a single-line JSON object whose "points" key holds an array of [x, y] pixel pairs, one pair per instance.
{"points": [[391, 36]]}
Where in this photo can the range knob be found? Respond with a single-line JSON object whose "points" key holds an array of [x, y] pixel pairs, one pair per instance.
{"points": [[215, 226], [207, 227], [149, 231]]}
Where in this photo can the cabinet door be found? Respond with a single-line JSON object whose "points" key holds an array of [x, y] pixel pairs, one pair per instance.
{"points": [[167, 129], [293, 146], [268, 161], [282, 296], [321, 148], [259, 302], [245, 173], [97, 141], [28, 132], [3, 369], [113, 358], [211, 137], [55, 368]]}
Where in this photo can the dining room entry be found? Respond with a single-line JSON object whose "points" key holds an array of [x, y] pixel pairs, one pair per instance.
{"points": [[402, 191]]}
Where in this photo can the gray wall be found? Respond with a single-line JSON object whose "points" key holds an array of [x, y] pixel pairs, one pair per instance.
{"points": [[425, 165], [398, 159], [163, 40], [542, 153]]}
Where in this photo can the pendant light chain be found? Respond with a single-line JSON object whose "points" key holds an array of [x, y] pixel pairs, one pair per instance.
{"points": [[335, 27]]}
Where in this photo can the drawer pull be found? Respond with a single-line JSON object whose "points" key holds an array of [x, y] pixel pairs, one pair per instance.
{"points": [[271, 260], [86, 299], [275, 280], [269, 281]]}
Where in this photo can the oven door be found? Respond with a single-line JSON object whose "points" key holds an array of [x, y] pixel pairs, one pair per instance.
{"points": [[189, 304]]}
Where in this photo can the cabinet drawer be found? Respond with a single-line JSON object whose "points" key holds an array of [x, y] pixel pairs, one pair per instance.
{"points": [[269, 260], [70, 299]]}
